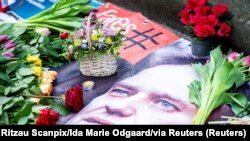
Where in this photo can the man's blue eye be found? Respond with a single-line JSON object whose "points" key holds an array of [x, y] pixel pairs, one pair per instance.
{"points": [[165, 105], [120, 92]]}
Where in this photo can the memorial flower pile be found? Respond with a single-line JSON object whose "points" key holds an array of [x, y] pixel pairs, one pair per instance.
{"points": [[205, 21]]}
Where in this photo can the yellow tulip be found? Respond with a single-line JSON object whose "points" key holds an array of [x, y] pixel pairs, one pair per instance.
{"points": [[108, 40], [31, 58], [37, 70], [38, 62]]}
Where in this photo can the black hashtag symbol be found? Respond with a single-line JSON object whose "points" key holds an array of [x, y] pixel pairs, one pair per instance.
{"points": [[146, 37]]}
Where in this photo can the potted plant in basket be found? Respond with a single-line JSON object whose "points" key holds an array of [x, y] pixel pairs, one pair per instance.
{"points": [[205, 24], [95, 46]]}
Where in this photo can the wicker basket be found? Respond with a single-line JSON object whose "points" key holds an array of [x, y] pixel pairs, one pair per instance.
{"points": [[101, 66]]}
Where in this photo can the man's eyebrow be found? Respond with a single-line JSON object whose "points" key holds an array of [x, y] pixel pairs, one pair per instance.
{"points": [[126, 86]]}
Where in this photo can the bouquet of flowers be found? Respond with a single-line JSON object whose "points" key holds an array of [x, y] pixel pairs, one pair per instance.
{"points": [[205, 21], [95, 46], [95, 39], [219, 79]]}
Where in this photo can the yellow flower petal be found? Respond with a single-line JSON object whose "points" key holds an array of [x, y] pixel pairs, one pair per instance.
{"points": [[38, 62], [31, 58], [37, 70]]}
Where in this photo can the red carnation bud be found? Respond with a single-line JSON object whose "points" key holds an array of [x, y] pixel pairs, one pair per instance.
{"points": [[64, 35], [74, 98], [47, 117]]}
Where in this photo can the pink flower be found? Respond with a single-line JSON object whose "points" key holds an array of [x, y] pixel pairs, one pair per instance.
{"points": [[9, 46], [8, 55], [233, 56], [246, 61], [3, 38]]}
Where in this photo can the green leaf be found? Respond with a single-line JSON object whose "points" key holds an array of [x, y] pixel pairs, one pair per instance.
{"points": [[25, 71], [5, 27], [13, 102], [3, 59], [23, 120], [19, 31], [60, 108], [7, 91], [5, 99], [28, 79], [34, 40], [2, 89], [4, 119], [34, 50], [194, 93], [26, 109], [1, 109], [11, 67], [4, 77], [14, 89], [35, 90]]}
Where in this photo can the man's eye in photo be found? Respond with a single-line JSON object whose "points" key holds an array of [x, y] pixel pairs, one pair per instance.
{"points": [[167, 106], [119, 92]]}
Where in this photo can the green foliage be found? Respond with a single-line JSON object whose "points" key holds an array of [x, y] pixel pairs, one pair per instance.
{"points": [[218, 77], [64, 16]]}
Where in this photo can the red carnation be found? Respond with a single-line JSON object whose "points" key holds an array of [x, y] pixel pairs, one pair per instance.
{"points": [[202, 10], [204, 31], [210, 20], [224, 30], [195, 3], [64, 35], [220, 9], [47, 117], [185, 16], [74, 98]]}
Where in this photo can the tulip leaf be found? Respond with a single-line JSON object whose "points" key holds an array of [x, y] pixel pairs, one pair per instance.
{"points": [[4, 119], [35, 90], [25, 71], [19, 31], [11, 67], [194, 93], [1, 109], [22, 120], [5, 99], [4, 77]]}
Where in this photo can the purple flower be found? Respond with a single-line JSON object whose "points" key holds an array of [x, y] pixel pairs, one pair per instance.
{"points": [[9, 46], [233, 56], [108, 31], [246, 61], [3, 38], [8, 54]]}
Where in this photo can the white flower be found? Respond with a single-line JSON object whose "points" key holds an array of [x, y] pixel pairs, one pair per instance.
{"points": [[43, 31]]}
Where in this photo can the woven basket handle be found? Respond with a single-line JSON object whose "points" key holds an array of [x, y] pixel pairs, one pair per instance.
{"points": [[88, 29]]}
